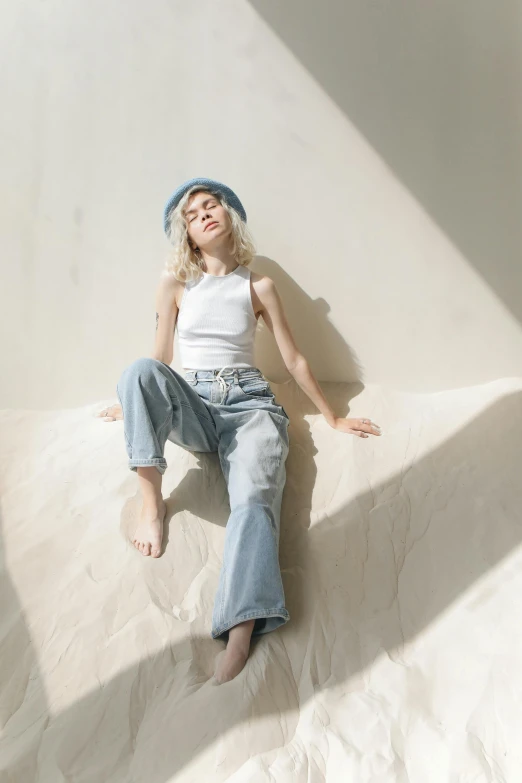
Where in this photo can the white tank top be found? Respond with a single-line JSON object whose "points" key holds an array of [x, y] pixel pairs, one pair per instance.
{"points": [[216, 322]]}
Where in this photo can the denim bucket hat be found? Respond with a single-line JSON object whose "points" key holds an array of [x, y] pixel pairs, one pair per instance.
{"points": [[227, 192]]}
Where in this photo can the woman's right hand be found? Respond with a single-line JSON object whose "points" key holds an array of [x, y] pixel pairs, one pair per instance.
{"points": [[112, 413]]}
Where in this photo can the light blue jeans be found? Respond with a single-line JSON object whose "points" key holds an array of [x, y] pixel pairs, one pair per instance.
{"points": [[234, 412]]}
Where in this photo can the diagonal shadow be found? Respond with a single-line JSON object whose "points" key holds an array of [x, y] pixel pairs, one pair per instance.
{"points": [[22, 684], [326, 351], [368, 577], [434, 88]]}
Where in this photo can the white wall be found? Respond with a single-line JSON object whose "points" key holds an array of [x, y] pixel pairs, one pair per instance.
{"points": [[357, 194]]}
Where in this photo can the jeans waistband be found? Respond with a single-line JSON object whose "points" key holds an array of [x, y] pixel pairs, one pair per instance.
{"points": [[224, 372]]}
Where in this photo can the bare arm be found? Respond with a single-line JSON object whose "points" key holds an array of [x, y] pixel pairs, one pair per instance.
{"points": [[166, 317], [298, 367]]}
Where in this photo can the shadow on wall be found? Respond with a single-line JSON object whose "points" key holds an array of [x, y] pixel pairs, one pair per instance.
{"points": [[326, 350], [434, 88], [344, 595]]}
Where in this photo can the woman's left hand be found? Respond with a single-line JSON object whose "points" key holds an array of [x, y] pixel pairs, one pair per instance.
{"points": [[360, 427], [112, 413]]}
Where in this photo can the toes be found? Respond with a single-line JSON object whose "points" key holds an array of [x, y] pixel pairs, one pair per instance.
{"points": [[151, 547], [146, 548]]}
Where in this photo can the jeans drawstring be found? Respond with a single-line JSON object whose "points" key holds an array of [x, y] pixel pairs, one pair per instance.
{"points": [[221, 380]]}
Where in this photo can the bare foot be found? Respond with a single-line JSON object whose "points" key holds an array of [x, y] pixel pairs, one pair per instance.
{"points": [[149, 532], [231, 661], [112, 413]]}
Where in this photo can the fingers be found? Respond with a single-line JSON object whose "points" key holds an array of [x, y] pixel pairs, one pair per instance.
{"points": [[112, 413], [370, 426], [365, 426]]}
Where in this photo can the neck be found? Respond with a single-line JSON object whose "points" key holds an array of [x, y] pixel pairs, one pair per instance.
{"points": [[218, 263], [220, 270]]}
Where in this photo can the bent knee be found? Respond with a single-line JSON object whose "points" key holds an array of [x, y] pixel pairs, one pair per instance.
{"points": [[144, 366]]}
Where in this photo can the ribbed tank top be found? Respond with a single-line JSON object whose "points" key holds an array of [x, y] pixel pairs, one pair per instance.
{"points": [[216, 322]]}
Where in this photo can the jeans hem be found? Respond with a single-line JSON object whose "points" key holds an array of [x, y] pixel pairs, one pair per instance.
{"points": [[250, 616], [145, 463]]}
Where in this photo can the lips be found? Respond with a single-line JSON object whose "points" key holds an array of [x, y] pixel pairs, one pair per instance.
{"points": [[214, 223]]}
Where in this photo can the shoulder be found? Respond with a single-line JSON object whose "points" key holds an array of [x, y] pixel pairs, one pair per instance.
{"points": [[262, 283], [170, 287], [264, 293]]}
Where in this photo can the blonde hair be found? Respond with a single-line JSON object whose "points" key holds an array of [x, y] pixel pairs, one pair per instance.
{"points": [[183, 262]]}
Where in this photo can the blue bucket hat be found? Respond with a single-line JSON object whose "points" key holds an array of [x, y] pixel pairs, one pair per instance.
{"points": [[176, 197]]}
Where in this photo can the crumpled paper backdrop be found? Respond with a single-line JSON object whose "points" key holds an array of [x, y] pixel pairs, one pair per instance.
{"points": [[402, 569]]}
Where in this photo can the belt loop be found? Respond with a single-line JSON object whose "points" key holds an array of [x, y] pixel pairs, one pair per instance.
{"points": [[236, 377]]}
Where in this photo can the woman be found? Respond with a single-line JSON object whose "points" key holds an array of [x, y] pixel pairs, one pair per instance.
{"points": [[221, 402]]}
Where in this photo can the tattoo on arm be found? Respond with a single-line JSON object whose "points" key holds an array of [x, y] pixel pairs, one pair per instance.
{"points": [[157, 319]]}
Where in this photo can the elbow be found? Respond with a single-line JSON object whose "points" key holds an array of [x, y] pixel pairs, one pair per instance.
{"points": [[298, 361]]}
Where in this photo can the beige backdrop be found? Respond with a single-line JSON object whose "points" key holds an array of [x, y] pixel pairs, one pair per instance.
{"points": [[377, 151], [376, 146]]}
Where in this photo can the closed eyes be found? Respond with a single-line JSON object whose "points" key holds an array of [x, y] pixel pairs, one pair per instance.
{"points": [[208, 206]]}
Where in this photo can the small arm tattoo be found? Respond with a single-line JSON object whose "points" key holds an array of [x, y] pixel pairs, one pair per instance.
{"points": [[157, 321]]}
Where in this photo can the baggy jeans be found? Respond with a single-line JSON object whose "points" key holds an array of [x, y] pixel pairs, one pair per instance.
{"points": [[234, 412]]}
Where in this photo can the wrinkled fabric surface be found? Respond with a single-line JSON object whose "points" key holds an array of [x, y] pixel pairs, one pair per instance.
{"points": [[402, 567]]}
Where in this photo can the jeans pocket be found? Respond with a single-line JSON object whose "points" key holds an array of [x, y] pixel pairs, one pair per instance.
{"points": [[255, 387]]}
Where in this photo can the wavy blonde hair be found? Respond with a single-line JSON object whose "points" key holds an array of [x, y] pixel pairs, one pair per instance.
{"points": [[185, 263]]}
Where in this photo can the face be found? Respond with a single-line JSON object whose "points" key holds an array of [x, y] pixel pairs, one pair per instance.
{"points": [[208, 223]]}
